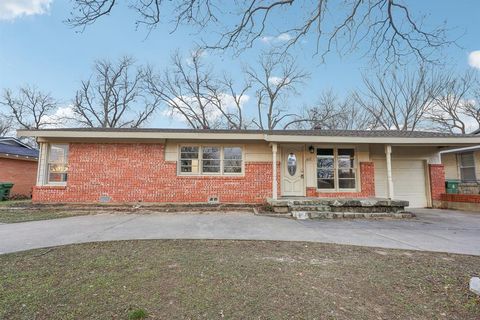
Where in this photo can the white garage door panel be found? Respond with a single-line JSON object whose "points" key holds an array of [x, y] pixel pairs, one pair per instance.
{"points": [[408, 181]]}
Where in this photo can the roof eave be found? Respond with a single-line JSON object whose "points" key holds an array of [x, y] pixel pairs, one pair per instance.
{"points": [[45, 135], [17, 157], [441, 141], [140, 135]]}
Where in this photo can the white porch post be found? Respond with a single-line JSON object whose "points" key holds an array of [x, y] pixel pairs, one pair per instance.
{"points": [[42, 163], [388, 152], [274, 171]]}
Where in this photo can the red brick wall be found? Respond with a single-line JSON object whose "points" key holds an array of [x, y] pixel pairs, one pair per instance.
{"points": [[470, 198], [437, 180], [138, 172], [22, 173], [367, 180]]}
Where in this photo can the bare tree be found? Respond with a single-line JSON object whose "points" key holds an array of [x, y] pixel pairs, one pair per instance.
{"points": [[278, 78], [333, 113], [453, 110], [229, 101], [400, 101], [193, 92], [472, 107], [383, 28], [114, 97], [5, 122], [5, 125], [29, 108]]}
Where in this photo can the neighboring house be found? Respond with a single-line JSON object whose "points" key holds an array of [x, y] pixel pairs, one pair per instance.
{"points": [[462, 164], [236, 166], [18, 164]]}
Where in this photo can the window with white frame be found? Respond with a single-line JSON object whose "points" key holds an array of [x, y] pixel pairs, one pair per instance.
{"points": [[57, 165], [467, 167], [211, 160], [232, 160], [336, 169]]}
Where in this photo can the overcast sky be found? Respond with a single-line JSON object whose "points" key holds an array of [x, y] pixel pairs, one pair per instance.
{"points": [[37, 48]]}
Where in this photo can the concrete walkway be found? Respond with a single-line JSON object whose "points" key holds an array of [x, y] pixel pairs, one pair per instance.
{"points": [[432, 230]]}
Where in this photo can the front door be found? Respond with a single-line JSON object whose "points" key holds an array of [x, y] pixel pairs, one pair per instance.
{"points": [[292, 171]]}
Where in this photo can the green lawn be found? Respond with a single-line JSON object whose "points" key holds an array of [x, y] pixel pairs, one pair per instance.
{"points": [[235, 280]]}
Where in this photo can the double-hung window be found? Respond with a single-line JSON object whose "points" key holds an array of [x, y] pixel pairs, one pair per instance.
{"points": [[211, 160], [189, 160], [336, 169], [232, 160], [467, 167], [57, 165]]}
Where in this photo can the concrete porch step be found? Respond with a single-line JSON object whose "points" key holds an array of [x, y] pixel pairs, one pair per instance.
{"points": [[310, 208], [339, 208], [303, 215]]}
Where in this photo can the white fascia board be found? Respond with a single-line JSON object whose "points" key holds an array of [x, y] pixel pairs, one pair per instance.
{"points": [[59, 134], [158, 135], [441, 141]]}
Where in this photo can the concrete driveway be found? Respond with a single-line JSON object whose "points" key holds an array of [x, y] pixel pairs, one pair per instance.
{"points": [[432, 230]]}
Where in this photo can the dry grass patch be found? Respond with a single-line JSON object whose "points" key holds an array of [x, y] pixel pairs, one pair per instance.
{"points": [[14, 215], [235, 280]]}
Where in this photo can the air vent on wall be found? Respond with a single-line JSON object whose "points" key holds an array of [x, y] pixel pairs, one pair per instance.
{"points": [[105, 199], [213, 199]]}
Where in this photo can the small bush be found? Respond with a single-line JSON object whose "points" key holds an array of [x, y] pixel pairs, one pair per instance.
{"points": [[17, 196], [137, 314]]}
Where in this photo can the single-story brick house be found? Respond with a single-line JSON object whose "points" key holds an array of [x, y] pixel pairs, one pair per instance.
{"points": [[18, 164], [239, 166]]}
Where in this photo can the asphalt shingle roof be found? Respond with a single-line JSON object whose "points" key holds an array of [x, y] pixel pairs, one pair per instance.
{"points": [[326, 133], [18, 151]]}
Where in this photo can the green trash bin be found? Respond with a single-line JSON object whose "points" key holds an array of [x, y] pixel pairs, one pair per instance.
{"points": [[451, 186], [5, 187]]}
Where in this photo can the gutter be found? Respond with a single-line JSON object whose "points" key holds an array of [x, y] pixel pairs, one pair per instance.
{"points": [[473, 148]]}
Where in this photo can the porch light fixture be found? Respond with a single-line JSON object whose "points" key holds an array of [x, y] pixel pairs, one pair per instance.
{"points": [[311, 149]]}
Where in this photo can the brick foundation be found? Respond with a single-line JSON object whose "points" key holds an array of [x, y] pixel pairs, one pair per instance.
{"points": [[22, 173], [437, 181], [468, 202], [367, 183], [139, 172], [470, 198]]}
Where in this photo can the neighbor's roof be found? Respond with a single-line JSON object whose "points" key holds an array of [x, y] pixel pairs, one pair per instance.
{"points": [[16, 148], [313, 136]]}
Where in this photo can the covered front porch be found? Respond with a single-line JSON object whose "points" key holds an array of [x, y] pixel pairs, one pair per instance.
{"points": [[315, 171], [361, 176]]}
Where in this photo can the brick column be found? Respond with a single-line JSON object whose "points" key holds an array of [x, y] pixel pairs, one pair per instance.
{"points": [[437, 181], [367, 176]]}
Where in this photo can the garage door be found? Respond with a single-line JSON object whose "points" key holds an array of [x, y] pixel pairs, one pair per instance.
{"points": [[409, 182]]}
